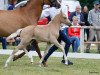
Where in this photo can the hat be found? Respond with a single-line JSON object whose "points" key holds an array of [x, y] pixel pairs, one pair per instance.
{"points": [[96, 2]]}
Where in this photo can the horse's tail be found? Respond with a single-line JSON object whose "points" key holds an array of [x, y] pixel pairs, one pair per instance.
{"points": [[15, 34]]}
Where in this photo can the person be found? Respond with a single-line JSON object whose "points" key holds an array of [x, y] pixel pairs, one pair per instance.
{"points": [[85, 13], [74, 33], [45, 12], [68, 13], [11, 4], [63, 36], [79, 14], [94, 20], [4, 42]]}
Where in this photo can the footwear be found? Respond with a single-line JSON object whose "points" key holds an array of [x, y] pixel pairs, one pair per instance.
{"points": [[69, 62], [87, 51]]}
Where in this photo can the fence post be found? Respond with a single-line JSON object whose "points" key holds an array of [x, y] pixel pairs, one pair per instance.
{"points": [[82, 40]]}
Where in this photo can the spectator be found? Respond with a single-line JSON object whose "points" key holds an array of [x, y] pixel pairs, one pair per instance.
{"points": [[94, 20], [4, 43], [68, 11], [74, 34], [85, 13], [11, 4], [79, 14]]}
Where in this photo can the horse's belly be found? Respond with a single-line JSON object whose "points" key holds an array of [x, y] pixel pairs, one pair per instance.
{"points": [[41, 39]]}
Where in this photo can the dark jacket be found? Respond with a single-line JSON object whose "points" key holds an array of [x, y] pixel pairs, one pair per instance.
{"points": [[74, 14]]}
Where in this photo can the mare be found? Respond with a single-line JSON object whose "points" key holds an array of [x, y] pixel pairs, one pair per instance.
{"points": [[12, 20], [48, 34]]}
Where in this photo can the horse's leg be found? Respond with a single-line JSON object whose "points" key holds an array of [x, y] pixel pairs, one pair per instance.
{"points": [[35, 44], [10, 58], [22, 54], [62, 48], [30, 56], [19, 47], [45, 52]]}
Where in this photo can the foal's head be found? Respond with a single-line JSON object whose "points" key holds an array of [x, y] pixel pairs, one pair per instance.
{"points": [[64, 19]]}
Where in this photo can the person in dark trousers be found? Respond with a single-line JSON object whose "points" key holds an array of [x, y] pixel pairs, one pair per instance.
{"points": [[63, 37], [4, 42], [85, 13]]}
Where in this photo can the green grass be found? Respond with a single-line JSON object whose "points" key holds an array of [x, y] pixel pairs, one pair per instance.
{"points": [[23, 67], [43, 45]]}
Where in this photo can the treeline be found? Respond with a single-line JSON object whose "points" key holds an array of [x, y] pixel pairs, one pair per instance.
{"points": [[89, 3]]}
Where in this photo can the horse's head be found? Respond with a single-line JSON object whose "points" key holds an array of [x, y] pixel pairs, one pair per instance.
{"points": [[64, 19]]}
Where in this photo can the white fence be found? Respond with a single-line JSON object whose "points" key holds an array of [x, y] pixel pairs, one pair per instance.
{"points": [[82, 37], [71, 55]]}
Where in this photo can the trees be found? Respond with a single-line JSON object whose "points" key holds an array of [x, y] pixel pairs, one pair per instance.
{"points": [[89, 3]]}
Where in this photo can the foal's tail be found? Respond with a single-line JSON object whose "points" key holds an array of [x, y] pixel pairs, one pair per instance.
{"points": [[15, 34]]}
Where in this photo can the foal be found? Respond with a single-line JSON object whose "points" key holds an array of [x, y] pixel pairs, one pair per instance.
{"points": [[48, 34]]}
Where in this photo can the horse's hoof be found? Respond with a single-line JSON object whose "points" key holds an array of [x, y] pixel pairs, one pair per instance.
{"points": [[44, 63], [31, 62], [5, 66], [15, 58], [40, 65]]}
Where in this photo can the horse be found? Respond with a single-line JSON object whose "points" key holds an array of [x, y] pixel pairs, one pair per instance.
{"points": [[48, 34], [54, 3], [12, 20]]}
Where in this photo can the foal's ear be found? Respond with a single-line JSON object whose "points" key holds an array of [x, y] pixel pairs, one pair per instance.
{"points": [[61, 11]]}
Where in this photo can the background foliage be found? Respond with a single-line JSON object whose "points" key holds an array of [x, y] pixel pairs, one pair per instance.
{"points": [[89, 3]]}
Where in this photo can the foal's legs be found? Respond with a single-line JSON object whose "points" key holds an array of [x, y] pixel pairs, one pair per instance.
{"points": [[30, 56], [19, 47], [62, 48], [35, 44], [10, 58], [45, 52]]}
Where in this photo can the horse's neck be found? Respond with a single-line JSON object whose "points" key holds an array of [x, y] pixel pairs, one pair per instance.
{"points": [[55, 23], [32, 10]]}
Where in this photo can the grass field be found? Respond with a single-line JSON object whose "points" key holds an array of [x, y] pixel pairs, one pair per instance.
{"points": [[55, 67], [23, 67]]}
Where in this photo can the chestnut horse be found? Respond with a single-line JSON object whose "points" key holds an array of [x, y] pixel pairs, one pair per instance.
{"points": [[12, 20], [48, 34]]}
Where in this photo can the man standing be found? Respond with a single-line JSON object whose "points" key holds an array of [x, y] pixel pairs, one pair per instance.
{"points": [[94, 20], [79, 14]]}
